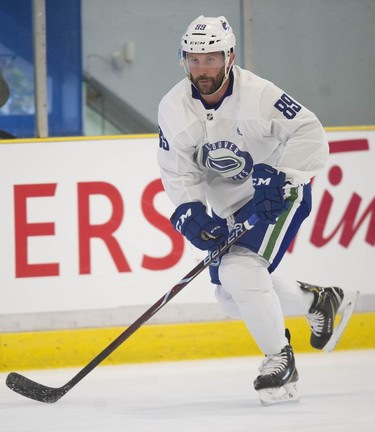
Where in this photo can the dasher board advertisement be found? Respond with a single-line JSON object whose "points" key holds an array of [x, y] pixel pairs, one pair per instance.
{"points": [[85, 225]]}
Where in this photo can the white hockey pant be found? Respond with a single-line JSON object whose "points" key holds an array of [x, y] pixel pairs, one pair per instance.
{"points": [[248, 292]]}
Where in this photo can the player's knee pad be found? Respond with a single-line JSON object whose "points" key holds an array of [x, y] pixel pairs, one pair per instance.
{"points": [[243, 274]]}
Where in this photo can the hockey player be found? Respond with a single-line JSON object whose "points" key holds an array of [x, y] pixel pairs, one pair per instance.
{"points": [[233, 145]]}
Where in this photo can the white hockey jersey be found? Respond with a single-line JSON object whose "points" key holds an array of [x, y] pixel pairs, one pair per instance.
{"points": [[207, 154]]}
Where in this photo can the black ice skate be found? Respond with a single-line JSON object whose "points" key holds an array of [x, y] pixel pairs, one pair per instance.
{"points": [[327, 303], [278, 378]]}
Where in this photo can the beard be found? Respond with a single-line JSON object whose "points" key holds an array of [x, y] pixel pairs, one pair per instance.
{"points": [[210, 85]]}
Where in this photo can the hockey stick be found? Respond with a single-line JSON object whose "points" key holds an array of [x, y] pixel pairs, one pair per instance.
{"points": [[33, 390]]}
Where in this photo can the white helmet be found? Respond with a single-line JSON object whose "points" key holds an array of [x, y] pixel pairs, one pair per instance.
{"points": [[207, 34]]}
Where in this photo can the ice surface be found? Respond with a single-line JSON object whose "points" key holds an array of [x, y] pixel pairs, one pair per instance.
{"points": [[337, 394]]}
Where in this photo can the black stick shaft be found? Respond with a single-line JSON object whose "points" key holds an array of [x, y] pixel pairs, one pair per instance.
{"points": [[235, 235], [42, 393]]}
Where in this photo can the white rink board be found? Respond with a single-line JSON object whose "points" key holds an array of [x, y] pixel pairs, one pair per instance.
{"points": [[48, 185]]}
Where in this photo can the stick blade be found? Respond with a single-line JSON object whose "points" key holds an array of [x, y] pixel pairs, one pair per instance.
{"points": [[33, 390]]}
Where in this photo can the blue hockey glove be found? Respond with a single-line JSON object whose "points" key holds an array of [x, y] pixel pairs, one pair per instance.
{"points": [[268, 200], [192, 221]]}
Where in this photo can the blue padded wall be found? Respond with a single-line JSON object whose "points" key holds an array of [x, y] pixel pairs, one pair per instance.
{"points": [[64, 67]]}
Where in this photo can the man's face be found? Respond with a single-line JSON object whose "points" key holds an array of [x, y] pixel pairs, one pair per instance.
{"points": [[207, 71]]}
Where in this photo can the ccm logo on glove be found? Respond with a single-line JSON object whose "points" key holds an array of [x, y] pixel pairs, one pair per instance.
{"points": [[261, 182], [182, 219]]}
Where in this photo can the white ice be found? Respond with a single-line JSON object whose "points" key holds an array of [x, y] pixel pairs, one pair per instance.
{"points": [[337, 394]]}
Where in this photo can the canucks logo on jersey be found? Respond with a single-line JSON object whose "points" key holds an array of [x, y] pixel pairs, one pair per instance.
{"points": [[227, 159]]}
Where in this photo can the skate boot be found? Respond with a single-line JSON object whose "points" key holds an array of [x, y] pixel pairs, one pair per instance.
{"points": [[327, 303], [278, 377]]}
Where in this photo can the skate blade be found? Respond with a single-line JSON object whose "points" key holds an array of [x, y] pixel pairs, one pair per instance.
{"points": [[346, 310], [279, 395]]}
